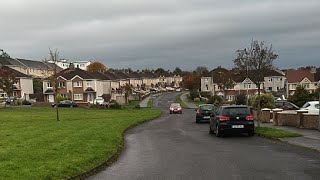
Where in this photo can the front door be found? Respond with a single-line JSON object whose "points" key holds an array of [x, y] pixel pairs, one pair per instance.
{"points": [[90, 97]]}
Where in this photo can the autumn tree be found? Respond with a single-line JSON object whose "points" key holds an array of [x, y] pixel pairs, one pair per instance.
{"points": [[192, 82], [7, 79], [256, 60], [96, 67]]}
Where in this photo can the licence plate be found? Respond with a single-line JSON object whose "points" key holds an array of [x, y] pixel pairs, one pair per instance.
{"points": [[237, 126], [206, 117]]}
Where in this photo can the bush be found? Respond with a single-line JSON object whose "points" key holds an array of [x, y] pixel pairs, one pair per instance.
{"points": [[215, 100], [300, 96], [137, 106], [241, 99], [205, 94], [59, 98], [115, 105], [266, 101], [193, 94], [25, 102], [196, 99]]}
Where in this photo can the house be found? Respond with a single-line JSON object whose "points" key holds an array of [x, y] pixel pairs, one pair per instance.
{"points": [[77, 85], [308, 78], [23, 86], [37, 69], [64, 64], [274, 81]]}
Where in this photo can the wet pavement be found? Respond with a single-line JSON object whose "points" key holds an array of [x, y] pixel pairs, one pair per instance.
{"points": [[175, 147]]}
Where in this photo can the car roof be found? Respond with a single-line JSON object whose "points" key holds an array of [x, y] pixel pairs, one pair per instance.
{"points": [[228, 106], [175, 104], [313, 102], [206, 105]]}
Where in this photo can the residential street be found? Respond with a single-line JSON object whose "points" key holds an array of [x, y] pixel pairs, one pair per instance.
{"points": [[175, 147]]}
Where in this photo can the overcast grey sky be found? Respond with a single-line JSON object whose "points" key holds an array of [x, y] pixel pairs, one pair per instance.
{"points": [[168, 33]]}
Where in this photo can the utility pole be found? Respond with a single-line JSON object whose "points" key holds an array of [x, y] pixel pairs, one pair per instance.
{"points": [[319, 108]]}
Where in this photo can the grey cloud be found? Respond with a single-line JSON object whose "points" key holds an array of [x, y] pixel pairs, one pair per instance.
{"points": [[167, 33]]}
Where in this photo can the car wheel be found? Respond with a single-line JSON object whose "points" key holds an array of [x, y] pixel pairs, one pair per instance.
{"points": [[197, 121], [251, 133], [218, 132], [210, 130]]}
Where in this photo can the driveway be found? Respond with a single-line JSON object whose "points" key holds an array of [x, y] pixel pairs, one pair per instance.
{"points": [[175, 147]]}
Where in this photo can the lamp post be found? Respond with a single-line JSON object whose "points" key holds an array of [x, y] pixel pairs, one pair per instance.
{"points": [[319, 107]]}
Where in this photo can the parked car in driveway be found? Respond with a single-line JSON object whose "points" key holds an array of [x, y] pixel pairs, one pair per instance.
{"points": [[232, 118], [286, 105], [175, 108], [204, 112], [312, 107], [65, 103], [99, 101]]}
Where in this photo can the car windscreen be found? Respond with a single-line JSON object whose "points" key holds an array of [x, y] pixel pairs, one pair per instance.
{"points": [[206, 107], [306, 105], [235, 111]]}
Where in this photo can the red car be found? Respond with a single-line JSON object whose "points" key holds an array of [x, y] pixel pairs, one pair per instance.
{"points": [[175, 108]]}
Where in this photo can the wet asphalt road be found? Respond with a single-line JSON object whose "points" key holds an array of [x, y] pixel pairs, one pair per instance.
{"points": [[175, 147]]}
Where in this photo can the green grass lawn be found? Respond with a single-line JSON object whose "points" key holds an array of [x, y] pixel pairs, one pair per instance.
{"points": [[274, 133], [178, 100], [33, 145]]}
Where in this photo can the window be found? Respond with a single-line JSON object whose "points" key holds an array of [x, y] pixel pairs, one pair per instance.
{"points": [[62, 84], [89, 83], [49, 85], [78, 96], [305, 86], [249, 86], [77, 84], [270, 88], [270, 80]]}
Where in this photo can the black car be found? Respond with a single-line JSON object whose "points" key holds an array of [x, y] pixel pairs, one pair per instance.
{"points": [[286, 105], [204, 113], [232, 118], [65, 103]]}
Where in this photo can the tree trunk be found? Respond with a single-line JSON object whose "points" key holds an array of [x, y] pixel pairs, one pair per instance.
{"points": [[57, 112], [259, 106]]}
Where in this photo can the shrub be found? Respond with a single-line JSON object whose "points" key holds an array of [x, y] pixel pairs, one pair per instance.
{"points": [[137, 106], [266, 101], [193, 94], [205, 94], [115, 105], [215, 100], [196, 99], [59, 98], [241, 99], [300, 96]]}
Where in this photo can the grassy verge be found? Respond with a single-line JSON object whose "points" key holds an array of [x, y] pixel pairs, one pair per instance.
{"points": [[273, 133], [35, 146], [199, 102], [150, 103], [178, 100]]}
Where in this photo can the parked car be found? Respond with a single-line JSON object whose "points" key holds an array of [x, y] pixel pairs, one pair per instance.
{"points": [[312, 107], [286, 105], [204, 112], [65, 103], [99, 101], [232, 118], [175, 108]]}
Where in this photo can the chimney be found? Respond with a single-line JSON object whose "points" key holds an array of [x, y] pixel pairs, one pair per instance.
{"points": [[313, 70], [71, 66]]}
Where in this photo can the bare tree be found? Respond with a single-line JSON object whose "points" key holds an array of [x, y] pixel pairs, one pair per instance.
{"points": [[53, 78], [256, 60], [223, 78]]}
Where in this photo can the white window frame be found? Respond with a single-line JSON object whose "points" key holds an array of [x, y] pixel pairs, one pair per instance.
{"points": [[89, 83], [62, 82], [49, 85], [78, 97], [77, 84]]}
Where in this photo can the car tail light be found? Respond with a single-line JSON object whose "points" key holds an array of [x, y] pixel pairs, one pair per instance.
{"points": [[224, 118], [171, 109], [249, 118]]}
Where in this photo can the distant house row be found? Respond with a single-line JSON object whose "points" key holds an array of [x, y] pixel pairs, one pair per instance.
{"points": [[277, 82], [83, 87], [80, 85]]}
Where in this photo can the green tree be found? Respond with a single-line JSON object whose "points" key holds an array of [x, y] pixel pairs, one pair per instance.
{"points": [[263, 101], [241, 99], [300, 96], [215, 100], [37, 85], [177, 71]]}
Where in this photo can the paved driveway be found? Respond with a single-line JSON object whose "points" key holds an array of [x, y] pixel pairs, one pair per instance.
{"points": [[175, 147]]}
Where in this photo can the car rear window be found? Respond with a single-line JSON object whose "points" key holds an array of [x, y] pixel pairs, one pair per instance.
{"points": [[235, 111], [206, 107]]}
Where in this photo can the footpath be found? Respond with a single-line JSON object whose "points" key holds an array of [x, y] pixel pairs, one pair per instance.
{"points": [[310, 138]]}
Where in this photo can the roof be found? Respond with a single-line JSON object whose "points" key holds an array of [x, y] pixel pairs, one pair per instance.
{"points": [[33, 64], [71, 73], [16, 73], [299, 74]]}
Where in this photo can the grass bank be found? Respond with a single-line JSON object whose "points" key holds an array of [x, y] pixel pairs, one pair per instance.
{"points": [[178, 100], [273, 133], [35, 146]]}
